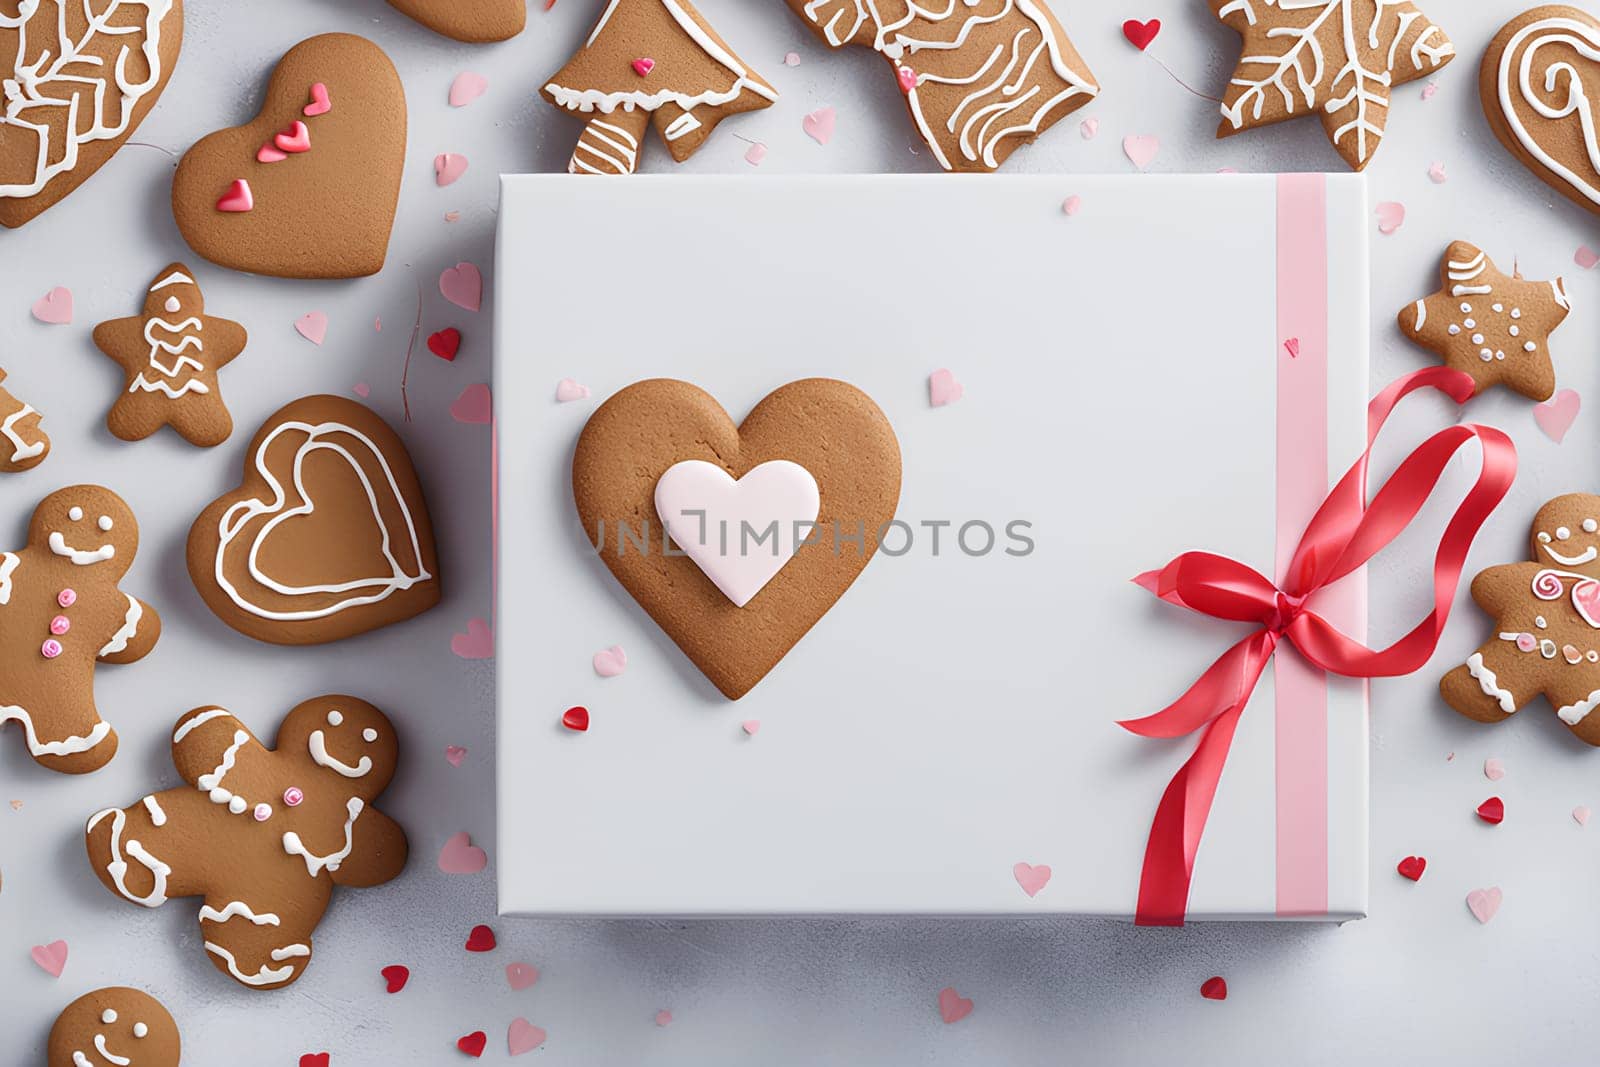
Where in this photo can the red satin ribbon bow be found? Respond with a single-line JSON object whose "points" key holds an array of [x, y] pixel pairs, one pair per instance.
{"points": [[1345, 533]]}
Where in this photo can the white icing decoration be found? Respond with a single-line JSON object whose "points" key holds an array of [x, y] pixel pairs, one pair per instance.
{"points": [[105, 523], [1489, 683], [1573, 714], [140, 1030], [108, 1016], [211, 784], [1562, 32], [315, 864], [58, 545], [335, 717], [319, 753], [118, 867], [266, 975], [237, 908], [177, 277], [184, 363], [67, 746], [1581, 558], [681, 126], [198, 720], [158, 816], [172, 305], [20, 449], [8, 565], [130, 627], [1422, 316], [100, 1045], [369, 735]]}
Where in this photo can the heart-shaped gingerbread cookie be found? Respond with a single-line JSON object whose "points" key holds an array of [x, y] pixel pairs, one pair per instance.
{"points": [[787, 508], [1540, 83], [328, 536], [478, 22], [308, 188], [76, 79]]}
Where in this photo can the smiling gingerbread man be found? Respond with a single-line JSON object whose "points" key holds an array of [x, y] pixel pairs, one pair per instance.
{"points": [[115, 1027], [61, 612], [1547, 625], [262, 835]]}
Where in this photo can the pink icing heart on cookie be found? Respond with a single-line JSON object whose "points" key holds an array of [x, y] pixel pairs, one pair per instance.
{"points": [[295, 138], [238, 198], [320, 104], [269, 154], [643, 66]]}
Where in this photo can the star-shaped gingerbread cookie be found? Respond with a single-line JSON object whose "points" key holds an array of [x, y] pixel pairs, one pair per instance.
{"points": [[1496, 327]]}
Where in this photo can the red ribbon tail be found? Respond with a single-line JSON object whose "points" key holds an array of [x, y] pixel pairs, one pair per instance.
{"points": [[1226, 683]]}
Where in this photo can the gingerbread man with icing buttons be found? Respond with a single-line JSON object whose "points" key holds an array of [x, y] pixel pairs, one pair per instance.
{"points": [[61, 613], [1547, 625], [262, 835]]}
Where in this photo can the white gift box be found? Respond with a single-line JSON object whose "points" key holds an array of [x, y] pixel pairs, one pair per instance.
{"points": [[1179, 364]]}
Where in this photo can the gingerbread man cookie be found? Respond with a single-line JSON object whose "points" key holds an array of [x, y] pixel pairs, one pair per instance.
{"points": [[61, 612], [262, 835], [981, 78], [472, 21], [170, 354], [1496, 327], [116, 1027], [23, 444], [651, 60], [1547, 625]]}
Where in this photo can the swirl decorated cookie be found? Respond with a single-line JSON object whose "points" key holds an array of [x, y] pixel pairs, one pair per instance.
{"points": [[262, 835], [116, 1027], [23, 442], [78, 79], [472, 21], [327, 536]]}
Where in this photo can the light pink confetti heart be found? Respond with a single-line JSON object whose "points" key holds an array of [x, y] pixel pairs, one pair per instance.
{"points": [[1436, 174], [1556, 415], [462, 285], [953, 1007], [1586, 257], [1494, 769], [819, 124], [461, 856], [454, 755], [447, 167], [468, 86], [1031, 878], [663, 1017], [568, 390], [1089, 128], [523, 1036], [452, 216], [1391, 216], [1141, 149], [55, 307], [751, 726], [377, 324], [1071, 204], [361, 389], [1484, 903], [313, 326], [791, 59], [475, 405], [476, 643], [610, 662], [944, 389], [1429, 90], [756, 155], [51, 958], [520, 976], [1580, 814]]}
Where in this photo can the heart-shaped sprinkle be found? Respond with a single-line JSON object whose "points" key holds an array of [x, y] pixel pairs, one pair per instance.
{"points": [[1494, 768], [1492, 811], [51, 958], [568, 390], [1586, 257], [1412, 867], [481, 939], [454, 755], [445, 343], [751, 726], [1141, 149], [296, 137], [461, 856], [320, 103], [907, 78], [314, 1059], [467, 87], [474, 1043], [819, 124], [791, 59], [953, 1007], [238, 198], [1391, 216], [395, 977], [1556, 415], [313, 326], [576, 718], [475, 405], [1089, 128], [462, 285], [755, 154], [1580, 814], [1214, 988], [55, 307], [447, 167], [269, 154], [476, 643], [1436, 173], [944, 389], [1430, 90], [520, 976], [1031, 878], [1484, 903], [1071, 205], [610, 662], [523, 1036], [643, 66], [1140, 34], [663, 1017], [1292, 346]]}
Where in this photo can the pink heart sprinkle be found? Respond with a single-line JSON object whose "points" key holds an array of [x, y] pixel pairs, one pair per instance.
{"points": [[467, 87], [1586, 257], [454, 755], [1484, 903], [452, 216], [297, 138], [238, 198], [462, 285], [1031, 878], [1494, 769], [461, 856], [1071, 204], [953, 1007], [944, 389], [1437, 175], [610, 662], [643, 66], [474, 406], [1088, 128], [1556, 415], [819, 124], [1292, 346], [663, 1017], [55, 307], [476, 643], [524, 1037], [756, 154], [1141, 149], [1429, 89], [320, 104], [568, 390], [313, 326], [361, 389], [1391, 216], [791, 59], [751, 726], [51, 958], [521, 975], [447, 167], [269, 154], [1580, 815]]}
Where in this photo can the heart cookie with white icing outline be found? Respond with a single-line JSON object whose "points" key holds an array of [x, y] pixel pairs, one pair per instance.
{"points": [[663, 455], [328, 536]]}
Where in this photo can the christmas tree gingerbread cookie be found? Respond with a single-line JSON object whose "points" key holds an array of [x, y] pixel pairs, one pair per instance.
{"points": [[23, 444], [262, 835], [170, 354], [61, 612], [1546, 625], [651, 60]]}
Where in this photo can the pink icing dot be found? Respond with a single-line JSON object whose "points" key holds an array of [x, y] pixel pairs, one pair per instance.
{"points": [[263, 812], [66, 598], [60, 625], [293, 796], [50, 649], [1526, 642]]}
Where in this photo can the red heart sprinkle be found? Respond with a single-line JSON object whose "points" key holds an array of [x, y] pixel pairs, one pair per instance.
{"points": [[397, 976], [314, 1059], [1412, 867], [576, 718], [1492, 811], [445, 344], [1214, 988], [1140, 34], [643, 66], [474, 1043], [1292, 346], [481, 939]]}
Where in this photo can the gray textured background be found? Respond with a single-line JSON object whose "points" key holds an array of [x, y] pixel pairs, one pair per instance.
{"points": [[1419, 981]]}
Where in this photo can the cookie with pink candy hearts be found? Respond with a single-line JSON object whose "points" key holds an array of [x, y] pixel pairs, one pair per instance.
{"points": [[1546, 634], [472, 21], [261, 835], [121, 1026], [62, 612]]}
